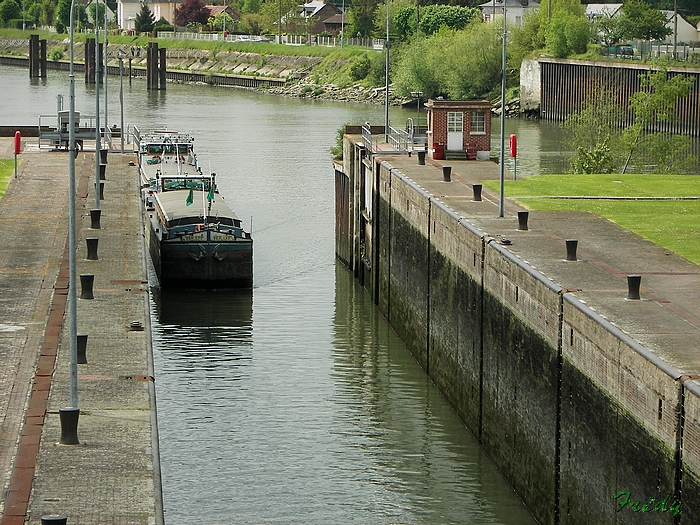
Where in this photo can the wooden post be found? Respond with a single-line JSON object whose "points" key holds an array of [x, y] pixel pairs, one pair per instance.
{"points": [[89, 60], [34, 56], [42, 57], [162, 67]]}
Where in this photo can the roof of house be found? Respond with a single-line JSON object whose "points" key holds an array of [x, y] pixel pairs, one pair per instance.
{"points": [[312, 7], [593, 10], [335, 19]]}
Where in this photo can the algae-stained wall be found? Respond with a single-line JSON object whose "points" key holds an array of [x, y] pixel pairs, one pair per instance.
{"points": [[619, 422], [571, 410]]}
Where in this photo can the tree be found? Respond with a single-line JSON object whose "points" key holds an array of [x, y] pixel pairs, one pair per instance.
{"points": [[654, 103], [567, 34], [595, 133], [98, 18], [62, 20], [640, 21], [251, 23], [192, 12], [221, 22], [48, 12], [608, 30], [433, 17], [9, 9], [360, 18], [145, 20]]}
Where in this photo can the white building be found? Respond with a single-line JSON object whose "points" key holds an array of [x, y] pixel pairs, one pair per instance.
{"points": [[515, 10], [127, 10]]}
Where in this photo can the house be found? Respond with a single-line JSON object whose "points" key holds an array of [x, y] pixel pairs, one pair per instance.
{"points": [[334, 24], [128, 10], [462, 127], [515, 10], [687, 32], [315, 12], [594, 11]]}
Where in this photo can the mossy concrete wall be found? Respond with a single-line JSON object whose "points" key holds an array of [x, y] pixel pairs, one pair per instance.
{"points": [[570, 409]]}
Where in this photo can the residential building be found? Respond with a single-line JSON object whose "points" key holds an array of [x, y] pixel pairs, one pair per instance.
{"points": [[515, 10]]}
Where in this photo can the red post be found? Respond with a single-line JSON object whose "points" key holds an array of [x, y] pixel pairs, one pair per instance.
{"points": [[513, 145], [18, 147]]}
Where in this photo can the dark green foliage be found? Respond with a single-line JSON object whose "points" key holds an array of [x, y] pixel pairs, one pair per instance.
{"points": [[640, 21], [360, 18], [145, 20], [360, 68], [435, 16], [9, 9], [162, 25]]}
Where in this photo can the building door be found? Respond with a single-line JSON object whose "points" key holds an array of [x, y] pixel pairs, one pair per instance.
{"points": [[455, 130]]}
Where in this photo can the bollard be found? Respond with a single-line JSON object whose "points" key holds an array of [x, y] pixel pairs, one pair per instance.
{"points": [[421, 158], [477, 192], [54, 519], [82, 348], [103, 172], [86, 282], [571, 245], [92, 248], [633, 282], [102, 191], [103, 156], [95, 219], [522, 220], [446, 173], [69, 426]]}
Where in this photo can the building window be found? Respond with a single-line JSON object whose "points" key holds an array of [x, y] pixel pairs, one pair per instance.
{"points": [[478, 123], [455, 121]]}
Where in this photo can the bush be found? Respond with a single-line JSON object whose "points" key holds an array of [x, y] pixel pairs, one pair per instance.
{"points": [[56, 54], [360, 68]]}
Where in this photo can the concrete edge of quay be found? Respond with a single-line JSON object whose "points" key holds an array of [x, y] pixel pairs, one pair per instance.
{"points": [[552, 364], [114, 473]]}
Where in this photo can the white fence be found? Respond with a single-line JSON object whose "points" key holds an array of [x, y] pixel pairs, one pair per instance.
{"points": [[290, 40]]}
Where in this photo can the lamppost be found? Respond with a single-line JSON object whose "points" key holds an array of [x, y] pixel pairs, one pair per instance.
{"points": [[120, 55], [104, 78], [502, 159], [69, 416], [98, 143], [386, 78], [342, 25]]}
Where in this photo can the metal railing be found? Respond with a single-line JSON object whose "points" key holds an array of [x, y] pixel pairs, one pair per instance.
{"points": [[290, 40], [398, 140]]}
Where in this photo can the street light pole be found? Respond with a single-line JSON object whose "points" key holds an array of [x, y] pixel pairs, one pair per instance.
{"points": [[98, 144], [121, 97], [104, 78], [386, 78], [502, 160], [72, 294]]}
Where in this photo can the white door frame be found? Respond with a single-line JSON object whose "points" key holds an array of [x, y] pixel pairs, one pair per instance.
{"points": [[455, 130]]}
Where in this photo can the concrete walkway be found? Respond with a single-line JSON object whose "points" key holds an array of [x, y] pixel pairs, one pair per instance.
{"points": [[667, 318], [113, 475]]}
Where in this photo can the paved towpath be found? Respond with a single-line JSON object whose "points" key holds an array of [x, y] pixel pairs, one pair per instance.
{"points": [[113, 475], [667, 318]]}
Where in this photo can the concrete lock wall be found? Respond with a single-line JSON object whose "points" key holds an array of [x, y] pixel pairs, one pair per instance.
{"points": [[571, 410]]}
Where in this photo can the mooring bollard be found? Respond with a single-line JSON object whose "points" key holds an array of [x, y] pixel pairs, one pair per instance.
{"points": [[95, 219], [421, 158], [477, 192], [103, 172], [571, 245], [69, 426], [633, 283], [92, 248], [103, 156], [82, 349], [522, 220], [54, 519], [446, 173], [86, 282]]}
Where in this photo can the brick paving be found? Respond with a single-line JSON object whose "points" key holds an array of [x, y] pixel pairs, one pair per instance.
{"points": [[113, 475]]}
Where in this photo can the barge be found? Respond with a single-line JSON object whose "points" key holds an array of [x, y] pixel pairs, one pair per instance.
{"points": [[194, 238]]}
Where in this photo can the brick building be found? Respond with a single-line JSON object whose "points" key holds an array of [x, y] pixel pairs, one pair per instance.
{"points": [[459, 128]]}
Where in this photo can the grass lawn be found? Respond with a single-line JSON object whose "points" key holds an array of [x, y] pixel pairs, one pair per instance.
{"points": [[673, 224], [7, 171]]}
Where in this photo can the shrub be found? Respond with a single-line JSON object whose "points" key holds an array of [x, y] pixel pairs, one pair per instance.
{"points": [[56, 54], [360, 68]]}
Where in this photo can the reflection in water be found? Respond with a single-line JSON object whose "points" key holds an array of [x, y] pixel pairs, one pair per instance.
{"points": [[416, 447], [200, 332]]}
